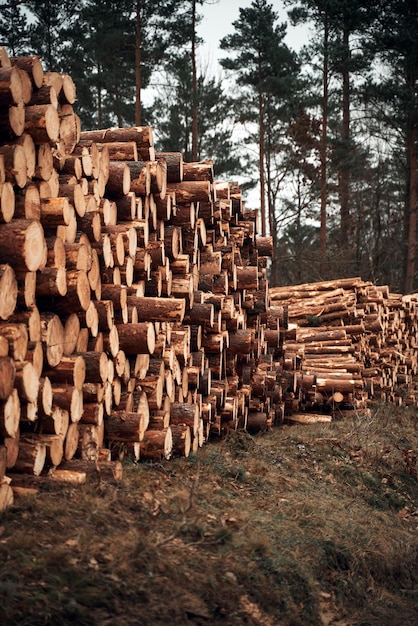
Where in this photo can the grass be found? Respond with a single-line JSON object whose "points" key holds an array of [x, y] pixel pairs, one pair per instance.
{"points": [[303, 525]]}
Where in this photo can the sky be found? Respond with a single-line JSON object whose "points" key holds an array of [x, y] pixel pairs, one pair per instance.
{"points": [[218, 16]]}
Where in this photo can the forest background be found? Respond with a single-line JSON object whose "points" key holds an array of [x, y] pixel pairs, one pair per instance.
{"points": [[327, 134]]}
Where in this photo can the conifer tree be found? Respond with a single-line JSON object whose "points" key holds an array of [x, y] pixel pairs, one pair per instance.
{"points": [[265, 71]]}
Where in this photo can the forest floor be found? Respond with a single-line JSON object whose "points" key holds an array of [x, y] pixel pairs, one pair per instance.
{"points": [[313, 524]]}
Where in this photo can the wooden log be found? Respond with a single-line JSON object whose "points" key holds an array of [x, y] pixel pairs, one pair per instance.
{"points": [[157, 444], [70, 370], [140, 178], [67, 94], [119, 181], [93, 413], [32, 65], [10, 86], [69, 399], [241, 341], [124, 426], [31, 457], [15, 166], [42, 123], [44, 396], [44, 169], [136, 338], [3, 462], [46, 94], [16, 335], [54, 448], [6, 495], [26, 381], [22, 245], [78, 296], [191, 191], [96, 366], [182, 443], [141, 135], [51, 281], [8, 291], [10, 415], [29, 149], [71, 476], [52, 334], [120, 150], [71, 325], [69, 127], [12, 121], [7, 376], [198, 171], [156, 309], [184, 413]]}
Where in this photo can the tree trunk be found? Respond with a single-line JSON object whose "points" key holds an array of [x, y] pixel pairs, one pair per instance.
{"points": [[323, 149], [195, 156], [344, 173]]}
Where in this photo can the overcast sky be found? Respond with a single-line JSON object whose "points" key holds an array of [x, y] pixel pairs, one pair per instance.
{"points": [[218, 16]]}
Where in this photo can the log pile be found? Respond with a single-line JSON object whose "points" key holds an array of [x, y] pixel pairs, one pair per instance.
{"points": [[135, 313], [347, 342], [132, 287]]}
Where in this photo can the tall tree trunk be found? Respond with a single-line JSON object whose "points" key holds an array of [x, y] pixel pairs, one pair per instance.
{"points": [[271, 203], [344, 173], [117, 107], [411, 151], [138, 77], [411, 203], [323, 151], [261, 139], [99, 102], [195, 155]]}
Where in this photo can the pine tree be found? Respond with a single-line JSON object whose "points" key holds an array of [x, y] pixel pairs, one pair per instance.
{"points": [[14, 29], [172, 119], [264, 69], [396, 44]]}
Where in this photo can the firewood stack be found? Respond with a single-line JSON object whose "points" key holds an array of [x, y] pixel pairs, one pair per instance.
{"points": [[132, 286]]}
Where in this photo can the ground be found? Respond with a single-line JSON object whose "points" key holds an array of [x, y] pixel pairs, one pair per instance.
{"points": [[302, 525]]}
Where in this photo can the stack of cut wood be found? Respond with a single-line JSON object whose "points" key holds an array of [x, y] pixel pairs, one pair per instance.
{"points": [[346, 342], [135, 314], [132, 286]]}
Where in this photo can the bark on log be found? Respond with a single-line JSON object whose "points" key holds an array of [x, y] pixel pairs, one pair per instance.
{"points": [[10, 415], [31, 457], [42, 123], [22, 245], [136, 338], [15, 165], [141, 135], [10, 86], [158, 309], [32, 65], [157, 444]]}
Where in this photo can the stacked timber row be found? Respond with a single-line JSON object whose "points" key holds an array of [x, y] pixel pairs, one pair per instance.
{"points": [[131, 292], [345, 342], [135, 314]]}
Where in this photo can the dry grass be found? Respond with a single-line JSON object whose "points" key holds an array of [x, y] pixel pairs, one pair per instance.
{"points": [[304, 525]]}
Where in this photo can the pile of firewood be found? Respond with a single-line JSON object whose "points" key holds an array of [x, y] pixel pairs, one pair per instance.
{"points": [[135, 314]]}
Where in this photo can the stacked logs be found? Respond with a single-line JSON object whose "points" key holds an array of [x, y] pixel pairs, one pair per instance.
{"points": [[135, 314], [132, 286], [346, 342]]}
